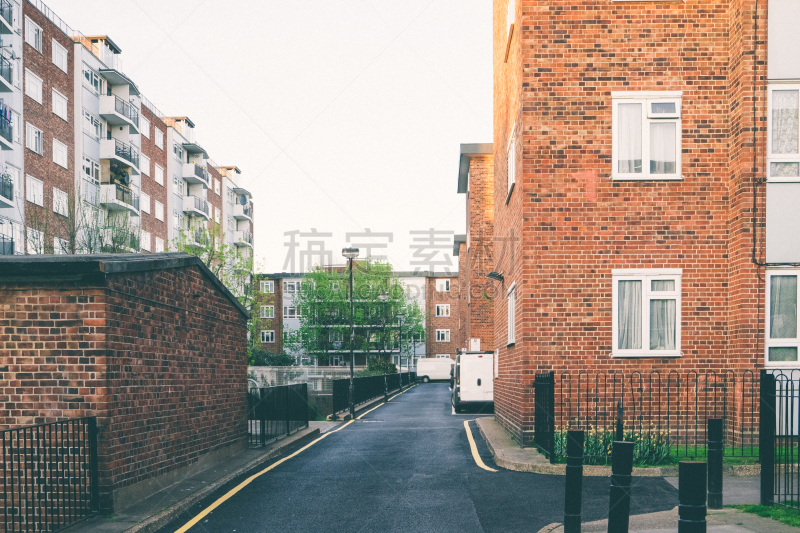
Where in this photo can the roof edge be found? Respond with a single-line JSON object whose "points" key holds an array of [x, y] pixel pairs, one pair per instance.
{"points": [[467, 152], [457, 240]]}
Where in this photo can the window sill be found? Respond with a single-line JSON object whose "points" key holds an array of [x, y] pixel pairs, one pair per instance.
{"points": [[510, 344], [783, 180], [650, 177], [510, 191], [646, 354]]}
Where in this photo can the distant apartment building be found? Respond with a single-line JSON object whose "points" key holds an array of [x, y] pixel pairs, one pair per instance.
{"points": [[89, 163]]}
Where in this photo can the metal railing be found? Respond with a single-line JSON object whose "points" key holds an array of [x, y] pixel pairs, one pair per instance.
{"points": [[126, 110], [6, 70], [779, 437], [199, 204], [247, 210], [6, 245], [201, 173], [246, 236], [274, 412], [7, 187], [7, 12], [6, 129], [367, 388], [50, 475], [126, 152], [127, 196]]}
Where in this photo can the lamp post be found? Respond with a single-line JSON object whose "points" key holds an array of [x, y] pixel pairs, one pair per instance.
{"points": [[350, 254], [400, 314], [384, 297]]}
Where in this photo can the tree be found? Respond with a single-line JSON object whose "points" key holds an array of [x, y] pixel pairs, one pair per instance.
{"points": [[324, 307]]}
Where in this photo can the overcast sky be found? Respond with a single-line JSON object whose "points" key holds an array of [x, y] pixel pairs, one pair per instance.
{"points": [[342, 115]]}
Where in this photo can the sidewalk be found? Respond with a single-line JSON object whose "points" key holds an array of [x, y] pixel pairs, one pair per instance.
{"points": [[157, 510]]}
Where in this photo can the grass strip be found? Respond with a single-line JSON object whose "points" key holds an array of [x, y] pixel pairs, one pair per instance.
{"points": [[784, 515]]}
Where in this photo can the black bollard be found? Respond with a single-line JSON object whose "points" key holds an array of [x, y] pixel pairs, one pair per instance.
{"points": [[692, 497], [385, 389], [573, 490], [620, 431], [715, 463], [619, 504]]}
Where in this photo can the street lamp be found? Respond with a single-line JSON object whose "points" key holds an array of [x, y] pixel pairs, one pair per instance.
{"points": [[400, 314], [350, 254], [384, 297]]}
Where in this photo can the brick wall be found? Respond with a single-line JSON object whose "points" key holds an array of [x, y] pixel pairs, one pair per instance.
{"points": [[453, 322], [157, 228], [276, 324], [42, 117], [157, 354]]}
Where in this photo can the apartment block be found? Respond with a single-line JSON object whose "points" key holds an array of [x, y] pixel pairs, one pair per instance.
{"points": [[12, 180], [647, 222], [444, 328]]}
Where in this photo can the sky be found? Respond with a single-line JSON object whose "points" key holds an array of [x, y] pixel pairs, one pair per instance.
{"points": [[344, 116]]}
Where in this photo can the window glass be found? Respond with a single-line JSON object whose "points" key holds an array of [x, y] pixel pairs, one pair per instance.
{"points": [[60, 153], [33, 86], [59, 56], [630, 138], [662, 148], [646, 308], [144, 164], [783, 307], [159, 211], [60, 202], [785, 122], [60, 105], [144, 126], [33, 34]]}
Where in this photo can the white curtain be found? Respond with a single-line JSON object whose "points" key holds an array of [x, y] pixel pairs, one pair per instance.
{"points": [[785, 122], [630, 138], [783, 307], [662, 147], [630, 315], [662, 324]]}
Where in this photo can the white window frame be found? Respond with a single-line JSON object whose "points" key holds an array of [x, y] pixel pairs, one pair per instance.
{"points": [[34, 241], [56, 56], [442, 285], [267, 311], [159, 245], [93, 168], [60, 246], [159, 139], [780, 343], [145, 241], [60, 153], [293, 314], [443, 310], [94, 125], [442, 335], [158, 174], [144, 126], [267, 336], [58, 97], [217, 187], [34, 90], [34, 190], [779, 158], [646, 276], [144, 202], [32, 136], [267, 286], [159, 211], [144, 164], [93, 81], [511, 317], [646, 98], [33, 34], [60, 202]]}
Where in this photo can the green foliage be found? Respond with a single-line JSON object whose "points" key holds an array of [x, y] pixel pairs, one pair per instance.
{"points": [[257, 356], [784, 515], [377, 367]]}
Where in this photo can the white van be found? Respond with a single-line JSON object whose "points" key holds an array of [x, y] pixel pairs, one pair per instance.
{"points": [[430, 369], [474, 380]]}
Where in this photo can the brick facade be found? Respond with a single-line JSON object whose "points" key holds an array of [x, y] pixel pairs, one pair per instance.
{"points": [[452, 323], [151, 345], [570, 223], [274, 299], [157, 192]]}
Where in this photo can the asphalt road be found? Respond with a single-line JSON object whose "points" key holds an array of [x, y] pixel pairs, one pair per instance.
{"points": [[406, 467]]}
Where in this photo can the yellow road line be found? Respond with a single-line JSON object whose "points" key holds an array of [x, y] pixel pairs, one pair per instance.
{"points": [[475, 454], [359, 417], [247, 481], [399, 393]]}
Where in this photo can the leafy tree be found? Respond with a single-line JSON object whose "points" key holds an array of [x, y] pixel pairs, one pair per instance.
{"points": [[261, 357]]}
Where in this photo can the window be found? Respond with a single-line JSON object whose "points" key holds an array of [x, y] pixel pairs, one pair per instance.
{"points": [[267, 311], [146, 241], [442, 335], [33, 34], [35, 241], [33, 86], [782, 342], [291, 286], [783, 123], [60, 246], [144, 202], [16, 125], [91, 170], [159, 138], [442, 285], [92, 125], [144, 164], [34, 191], [159, 175], [216, 186], [267, 336], [59, 56], [60, 105], [646, 138], [16, 179], [290, 312], [144, 126], [159, 211], [92, 81], [33, 139], [511, 316], [60, 154], [217, 215], [268, 287], [443, 310], [334, 286], [511, 159], [60, 202], [178, 151], [646, 313]]}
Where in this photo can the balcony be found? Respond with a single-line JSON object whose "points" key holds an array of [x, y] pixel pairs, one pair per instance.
{"points": [[243, 238], [117, 240], [243, 212], [121, 152], [6, 17], [196, 237], [195, 174], [6, 131], [118, 112], [195, 206], [6, 191], [6, 245], [117, 198], [6, 75]]}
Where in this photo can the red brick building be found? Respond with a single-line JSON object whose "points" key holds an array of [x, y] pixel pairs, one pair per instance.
{"points": [[624, 190], [443, 325], [153, 171]]}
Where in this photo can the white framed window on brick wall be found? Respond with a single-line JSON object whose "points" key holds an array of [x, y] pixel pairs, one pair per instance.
{"points": [[144, 202], [267, 286], [217, 187], [60, 154], [159, 211], [34, 191], [646, 135], [511, 314], [60, 105], [144, 164], [158, 174], [159, 138], [60, 57], [511, 161], [60, 246], [217, 215], [146, 241], [159, 245], [267, 311], [783, 127], [442, 309], [33, 86], [33, 138], [33, 34], [60, 202], [442, 285], [35, 242], [267, 336], [442, 335], [782, 341], [144, 126], [646, 313]]}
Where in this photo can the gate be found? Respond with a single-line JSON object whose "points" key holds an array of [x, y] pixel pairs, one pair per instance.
{"points": [[779, 438], [544, 414]]}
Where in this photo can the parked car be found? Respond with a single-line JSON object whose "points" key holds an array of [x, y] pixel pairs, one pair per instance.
{"points": [[474, 380], [434, 369]]}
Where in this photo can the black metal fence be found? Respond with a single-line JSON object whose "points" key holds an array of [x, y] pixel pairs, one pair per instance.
{"points": [[780, 437], [367, 388], [50, 478], [276, 411], [666, 411]]}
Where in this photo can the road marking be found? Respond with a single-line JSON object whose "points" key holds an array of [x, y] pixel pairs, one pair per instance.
{"points": [[399, 393], [247, 481], [359, 417], [475, 454]]}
